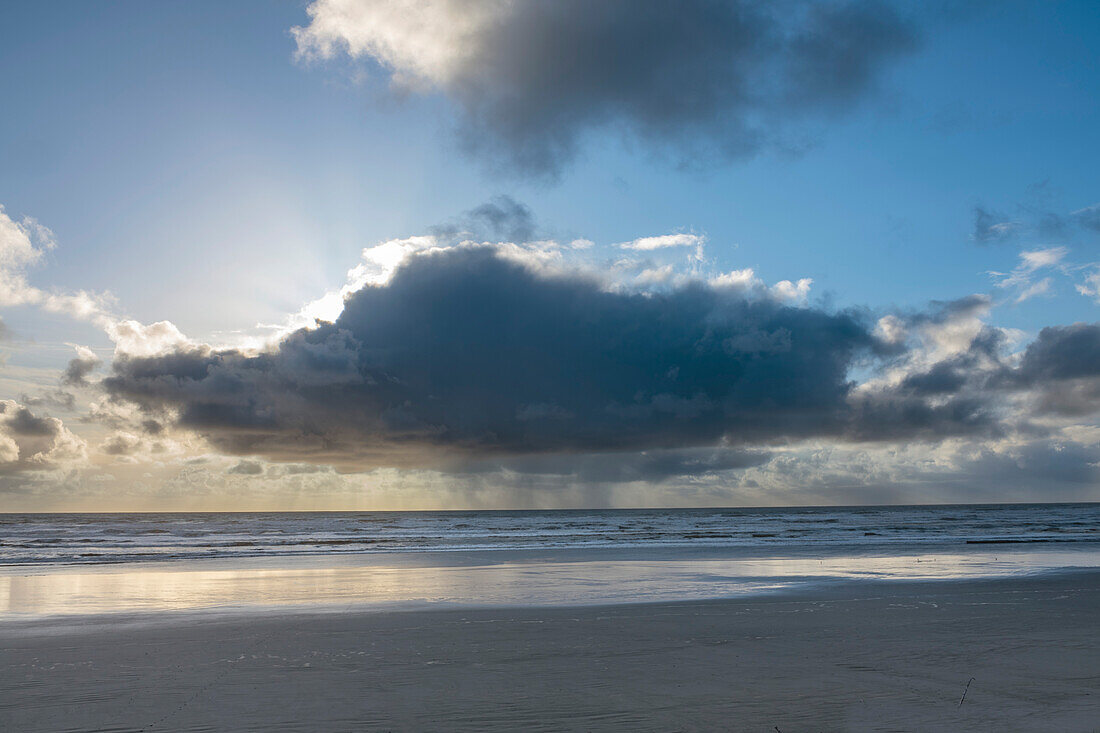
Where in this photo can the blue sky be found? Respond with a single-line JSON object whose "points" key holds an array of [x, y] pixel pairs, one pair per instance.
{"points": [[190, 164], [184, 139]]}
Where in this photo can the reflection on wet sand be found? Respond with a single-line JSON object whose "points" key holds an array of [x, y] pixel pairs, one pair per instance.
{"points": [[380, 583]]}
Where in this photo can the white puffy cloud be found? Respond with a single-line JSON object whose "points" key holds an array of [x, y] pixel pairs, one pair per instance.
{"points": [[139, 339], [891, 329], [793, 292], [423, 44], [376, 266], [22, 245], [748, 284]]}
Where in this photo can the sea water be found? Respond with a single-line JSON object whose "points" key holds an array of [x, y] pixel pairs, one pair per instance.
{"points": [[60, 564], [114, 538]]}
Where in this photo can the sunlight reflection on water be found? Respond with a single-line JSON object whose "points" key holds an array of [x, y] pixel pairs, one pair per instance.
{"points": [[380, 583]]}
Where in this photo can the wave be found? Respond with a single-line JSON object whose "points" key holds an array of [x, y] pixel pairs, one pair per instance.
{"points": [[30, 539]]}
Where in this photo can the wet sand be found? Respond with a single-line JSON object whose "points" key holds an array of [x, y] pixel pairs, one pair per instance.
{"points": [[859, 656]]}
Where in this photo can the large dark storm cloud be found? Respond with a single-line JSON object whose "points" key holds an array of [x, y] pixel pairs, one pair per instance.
{"points": [[467, 358], [465, 352], [704, 78]]}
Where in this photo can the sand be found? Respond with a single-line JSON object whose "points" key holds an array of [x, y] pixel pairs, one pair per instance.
{"points": [[858, 656]]}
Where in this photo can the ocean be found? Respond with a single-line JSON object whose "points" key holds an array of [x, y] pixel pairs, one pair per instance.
{"points": [[48, 539]]}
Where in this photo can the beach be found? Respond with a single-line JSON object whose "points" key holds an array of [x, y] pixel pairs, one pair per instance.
{"points": [[946, 618], [549, 365], [847, 655]]}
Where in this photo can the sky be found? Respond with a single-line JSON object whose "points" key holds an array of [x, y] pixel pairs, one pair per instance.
{"points": [[386, 254]]}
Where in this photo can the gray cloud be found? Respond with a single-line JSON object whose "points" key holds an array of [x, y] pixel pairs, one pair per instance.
{"points": [[58, 398], [469, 361], [472, 362], [1033, 218], [76, 373], [503, 219], [1039, 462], [122, 444], [1062, 366], [1058, 373], [247, 468], [1063, 352], [464, 352], [1088, 217], [30, 442], [940, 312], [991, 227], [704, 79], [152, 427]]}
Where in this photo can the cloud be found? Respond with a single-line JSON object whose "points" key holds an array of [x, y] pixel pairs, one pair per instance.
{"points": [[702, 78], [466, 351], [76, 373], [647, 244], [990, 227], [1090, 288], [748, 284], [1031, 262], [1062, 366], [1016, 470], [50, 398], [1088, 217], [470, 353], [951, 375], [502, 219], [1033, 218], [140, 339], [247, 468], [521, 367], [793, 292], [24, 244], [122, 444], [990, 389], [1049, 259], [30, 442]]}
